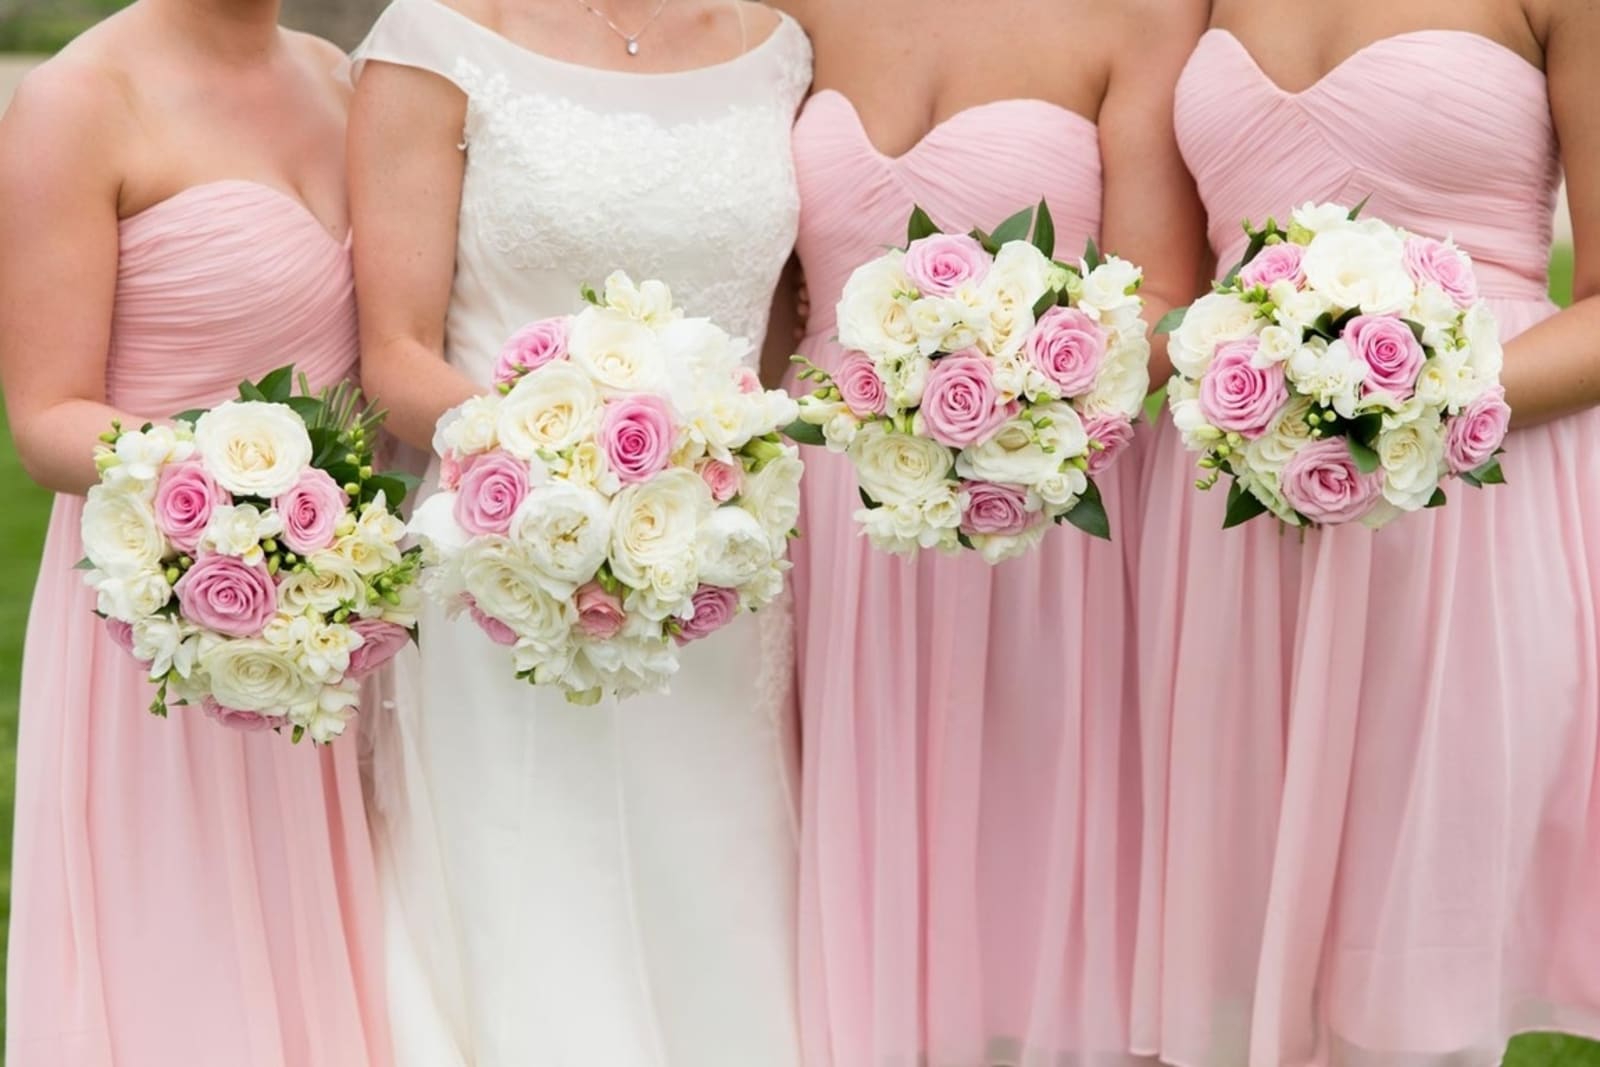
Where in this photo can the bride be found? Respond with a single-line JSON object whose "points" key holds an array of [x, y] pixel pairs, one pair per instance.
{"points": [[566, 885]]}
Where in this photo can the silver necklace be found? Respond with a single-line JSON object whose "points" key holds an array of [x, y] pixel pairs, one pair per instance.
{"points": [[630, 41]]}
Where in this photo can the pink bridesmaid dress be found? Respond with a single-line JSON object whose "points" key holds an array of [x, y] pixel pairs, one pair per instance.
{"points": [[969, 809], [185, 894], [1373, 771]]}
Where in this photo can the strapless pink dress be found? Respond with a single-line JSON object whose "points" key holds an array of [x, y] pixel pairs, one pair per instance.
{"points": [[969, 809], [1373, 819], [184, 894]]}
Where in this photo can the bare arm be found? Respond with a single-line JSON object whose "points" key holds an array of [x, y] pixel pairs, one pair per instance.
{"points": [[1151, 215], [405, 196], [785, 327], [1554, 368], [59, 185]]}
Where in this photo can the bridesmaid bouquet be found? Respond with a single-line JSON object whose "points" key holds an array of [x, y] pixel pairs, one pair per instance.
{"points": [[623, 493], [1340, 373], [983, 387], [249, 558]]}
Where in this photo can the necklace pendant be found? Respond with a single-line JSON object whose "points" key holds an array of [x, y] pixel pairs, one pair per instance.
{"points": [[633, 46]]}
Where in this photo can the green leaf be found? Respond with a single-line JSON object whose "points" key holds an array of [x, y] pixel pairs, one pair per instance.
{"points": [[1091, 255], [1490, 473], [1044, 230], [1416, 329], [988, 242], [1355, 212], [919, 226], [1015, 228], [1437, 500], [1258, 241], [588, 295], [191, 416], [1045, 303], [1366, 459], [1471, 479], [1089, 514], [1365, 428], [1154, 403], [251, 391], [802, 432], [1172, 320], [1242, 507], [965, 542], [871, 504], [309, 408], [84, 564], [394, 490], [279, 385]]}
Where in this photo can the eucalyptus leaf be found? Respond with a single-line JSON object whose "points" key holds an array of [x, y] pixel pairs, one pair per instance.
{"points": [[1044, 230], [801, 432], [1243, 506], [1089, 514], [1015, 228]]}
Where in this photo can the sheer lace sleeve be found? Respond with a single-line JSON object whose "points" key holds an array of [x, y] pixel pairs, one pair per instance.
{"points": [[424, 34]]}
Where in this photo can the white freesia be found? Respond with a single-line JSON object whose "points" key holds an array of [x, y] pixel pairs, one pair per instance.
{"points": [[130, 597], [1213, 320], [586, 465], [1022, 454], [167, 643], [997, 548], [468, 428], [1111, 287], [1330, 374], [1183, 398], [326, 716], [654, 523], [249, 674], [1315, 218], [942, 509], [373, 545], [549, 409], [732, 548], [665, 589], [874, 309], [1022, 271], [772, 495], [119, 530], [1060, 489], [1296, 310], [839, 432], [1276, 345], [1123, 382], [142, 453], [944, 324], [905, 380], [1436, 313], [897, 468], [238, 530], [649, 302], [565, 530], [1359, 266], [698, 353], [1482, 334], [253, 448], [321, 649], [1413, 459], [621, 354]]}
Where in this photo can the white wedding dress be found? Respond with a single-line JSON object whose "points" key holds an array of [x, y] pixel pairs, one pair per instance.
{"points": [[610, 886]]}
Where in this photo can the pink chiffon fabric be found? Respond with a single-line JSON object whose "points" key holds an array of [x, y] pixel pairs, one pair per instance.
{"points": [[1372, 766], [183, 893], [969, 802]]}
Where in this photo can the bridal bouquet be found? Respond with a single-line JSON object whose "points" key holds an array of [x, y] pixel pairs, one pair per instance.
{"points": [[623, 493], [1341, 373], [250, 559], [983, 387]]}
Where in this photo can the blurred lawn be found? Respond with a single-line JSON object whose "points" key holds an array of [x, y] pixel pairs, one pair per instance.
{"points": [[43, 26], [22, 522]]}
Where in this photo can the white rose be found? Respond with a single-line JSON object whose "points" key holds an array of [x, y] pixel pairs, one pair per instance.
{"points": [[565, 530], [142, 453], [321, 649], [621, 354], [325, 716], [1124, 380], [655, 523], [1482, 333], [873, 310], [898, 468], [1318, 217], [1329, 373], [500, 577], [732, 548], [997, 548], [649, 302], [1022, 271], [326, 583], [1061, 488], [1413, 459], [1020, 454], [130, 597], [119, 531], [548, 410], [941, 511], [248, 674], [468, 428], [168, 644], [586, 466], [434, 521], [1271, 452], [1211, 321], [699, 355], [238, 530], [839, 432], [1111, 287], [1360, 267], [665, 591], [253, 448], [944, 324], [772, 495]]}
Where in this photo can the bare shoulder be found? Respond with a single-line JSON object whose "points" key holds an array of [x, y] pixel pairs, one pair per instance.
{"points": [[806, 12], [70, 104], [324, 54], [1161, 26]]}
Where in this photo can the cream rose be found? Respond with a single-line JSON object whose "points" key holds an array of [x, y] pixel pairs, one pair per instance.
{"points": [[130, 597], [468, 428], [897, 468], [1272, 451], [1123, 382], [1211, 321], [1017, 455], [1361, 267], [772, 495], [621, 354], [874, 315], [548, 409], [253, 448], [655, 523], [248, 674], [120, 535], [326, 583], [1413, 459]]}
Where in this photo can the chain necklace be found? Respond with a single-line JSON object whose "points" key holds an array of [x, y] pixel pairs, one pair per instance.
{"points": [[630, 41]]}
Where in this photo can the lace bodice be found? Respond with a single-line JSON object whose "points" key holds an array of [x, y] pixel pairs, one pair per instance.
{"points": [[573, 172]]}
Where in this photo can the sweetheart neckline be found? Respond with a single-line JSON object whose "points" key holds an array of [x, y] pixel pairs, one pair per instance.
{"points": [[954, 116], [273, 192], [1365, 51]]}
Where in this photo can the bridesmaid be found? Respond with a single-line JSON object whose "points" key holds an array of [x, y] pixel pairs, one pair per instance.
{"points": [[1374, 759], [970, 805], [173, 214]]}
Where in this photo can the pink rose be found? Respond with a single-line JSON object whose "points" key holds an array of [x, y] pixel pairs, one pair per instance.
{"points": [[498, 632], [185, 496], [531, 348], [1443, 265], [1476, 433], [1390, 350], [1067, 347], [600, 614], [748, 380], [121, 634], [860, 386], [1322, 483], [244, 721], [637, 434], [492, 487], [725, 480], [1113, 433], [960, 405], [996, 509], [941, 264], [450, 470], [1239, 396], [380, 642], [1275, 263], [714, 607], [311, 509], [228, 595]]}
